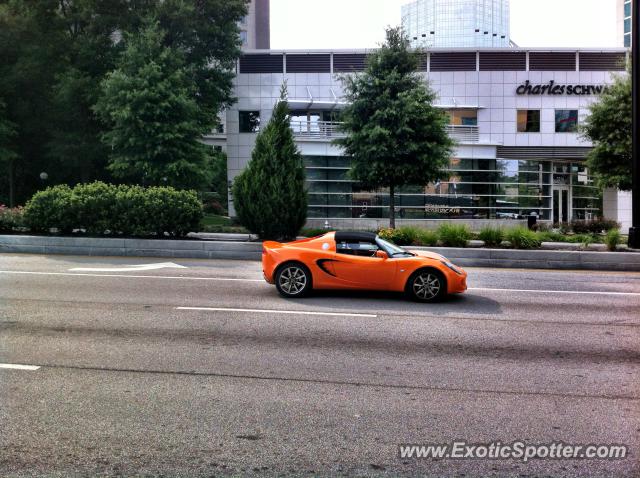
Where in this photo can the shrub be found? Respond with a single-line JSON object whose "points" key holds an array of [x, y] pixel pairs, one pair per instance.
{"points": [[563, 227], [522, 238], [49, 209], [594, 226], [10, 218], [585, 239], [550, 236], [313, 232], [212, 203], [100, 208], [409, 236], [401, 236], [492, 236], [454, 235], [612, 239], [425, 237]]}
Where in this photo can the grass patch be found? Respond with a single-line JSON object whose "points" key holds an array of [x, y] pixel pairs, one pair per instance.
{"points": [[221, 224]]}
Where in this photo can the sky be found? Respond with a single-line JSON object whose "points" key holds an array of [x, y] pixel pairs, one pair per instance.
{"points": [[330, 24]]}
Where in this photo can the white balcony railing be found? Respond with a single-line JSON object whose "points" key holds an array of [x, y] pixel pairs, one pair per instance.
{"points": [[463, 134], [316, 129], [329, 129]]}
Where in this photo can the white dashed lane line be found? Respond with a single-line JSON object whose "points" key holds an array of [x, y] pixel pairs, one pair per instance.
{"points": [[275, 311], [15, 366]]}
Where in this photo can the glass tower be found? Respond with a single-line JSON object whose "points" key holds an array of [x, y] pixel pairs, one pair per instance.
{"points": [[457, 23], [626, 12]]}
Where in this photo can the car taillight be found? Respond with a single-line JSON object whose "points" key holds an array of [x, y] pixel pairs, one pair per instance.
{"points": [[264, 251]]}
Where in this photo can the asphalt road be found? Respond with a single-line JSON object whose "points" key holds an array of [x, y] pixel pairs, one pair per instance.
{"points": [[206, 371]]}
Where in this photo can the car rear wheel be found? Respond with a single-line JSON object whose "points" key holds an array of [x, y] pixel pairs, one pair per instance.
{"points": [[427, 285], [293, 280]]}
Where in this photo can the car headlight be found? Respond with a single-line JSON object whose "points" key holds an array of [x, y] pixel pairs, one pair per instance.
{"points": [[452, 267]]}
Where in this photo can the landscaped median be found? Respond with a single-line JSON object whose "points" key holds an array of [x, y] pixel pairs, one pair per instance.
{"points": [[199, 249]]}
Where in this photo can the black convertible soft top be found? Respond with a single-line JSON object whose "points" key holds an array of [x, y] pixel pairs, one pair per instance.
{"points": [[355, 236]]}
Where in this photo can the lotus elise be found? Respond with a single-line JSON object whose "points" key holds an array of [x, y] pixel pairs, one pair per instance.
{"points": [[358, 261]]}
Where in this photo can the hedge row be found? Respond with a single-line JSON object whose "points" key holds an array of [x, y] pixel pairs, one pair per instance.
{"points": [[458, 235], [100, 208]]}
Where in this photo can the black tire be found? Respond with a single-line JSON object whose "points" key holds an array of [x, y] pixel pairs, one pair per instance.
{"points": [[293, 280], [426, 285]]}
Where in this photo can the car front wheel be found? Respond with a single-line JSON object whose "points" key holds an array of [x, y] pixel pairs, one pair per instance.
{"points": [[427, 286], [293, 280]]}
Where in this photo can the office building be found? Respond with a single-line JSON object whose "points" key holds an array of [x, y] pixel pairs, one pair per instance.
{"points": [[623, 14], [513, 112], [255, 31], [457, 23]]}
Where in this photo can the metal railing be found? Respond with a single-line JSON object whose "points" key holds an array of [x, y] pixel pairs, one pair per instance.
{"points": [[463, 133], [330, 129], [316, 129]]}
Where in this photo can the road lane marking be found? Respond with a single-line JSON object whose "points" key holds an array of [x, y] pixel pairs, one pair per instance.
{"points": [[274, 311], [131, 268], [131, 276], [15, 366], [555, 291]]}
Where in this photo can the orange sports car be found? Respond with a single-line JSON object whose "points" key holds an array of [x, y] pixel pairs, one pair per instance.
{"points": [[358, 260]]}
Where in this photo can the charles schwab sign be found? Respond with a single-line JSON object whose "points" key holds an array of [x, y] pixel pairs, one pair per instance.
{"points": [[552, 88]]}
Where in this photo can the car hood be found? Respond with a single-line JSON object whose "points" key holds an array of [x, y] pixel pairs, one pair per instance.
{"points": [[428, 254]]}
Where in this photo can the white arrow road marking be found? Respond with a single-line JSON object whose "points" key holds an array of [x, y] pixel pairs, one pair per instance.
{"points": [[274, 311], [15, 366], [140, 267]]}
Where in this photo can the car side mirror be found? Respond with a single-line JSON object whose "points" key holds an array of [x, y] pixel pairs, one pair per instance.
{"points": [[381, 254]]}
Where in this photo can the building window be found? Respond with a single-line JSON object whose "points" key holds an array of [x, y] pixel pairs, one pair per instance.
{"points": [[627, 40], [627, 25], [627, 9], [566, 121], [528, 121], [249, 121], [463, 117], [243, 37]]}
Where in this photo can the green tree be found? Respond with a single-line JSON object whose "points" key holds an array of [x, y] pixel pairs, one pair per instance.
{"points": [[269, 195], [395, 136], [55, 53], [7, 154], [609, 127], [30, 42], [152, 118]]}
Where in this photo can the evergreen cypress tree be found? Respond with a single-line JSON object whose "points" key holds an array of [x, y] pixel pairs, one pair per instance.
{"points": [[269, 195]]}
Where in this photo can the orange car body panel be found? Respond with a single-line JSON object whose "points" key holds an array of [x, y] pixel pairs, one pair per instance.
{"points": [[330, 270]]}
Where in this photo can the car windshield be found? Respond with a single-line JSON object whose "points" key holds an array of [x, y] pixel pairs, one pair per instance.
{"points": [[391, 249]]}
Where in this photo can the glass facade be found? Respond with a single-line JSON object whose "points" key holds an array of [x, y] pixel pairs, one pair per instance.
{"points": [[457, 23], [627, 23], [472, 189]]}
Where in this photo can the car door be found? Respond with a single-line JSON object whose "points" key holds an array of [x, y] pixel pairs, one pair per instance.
{"points": [[357, 266]]}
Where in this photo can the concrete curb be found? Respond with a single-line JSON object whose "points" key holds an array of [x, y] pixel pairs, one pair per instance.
{"points": [[194, 249], [89, 246]]}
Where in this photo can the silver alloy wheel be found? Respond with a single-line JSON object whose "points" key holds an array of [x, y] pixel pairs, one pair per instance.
{"points": [[292, 280], [426, 286]]}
